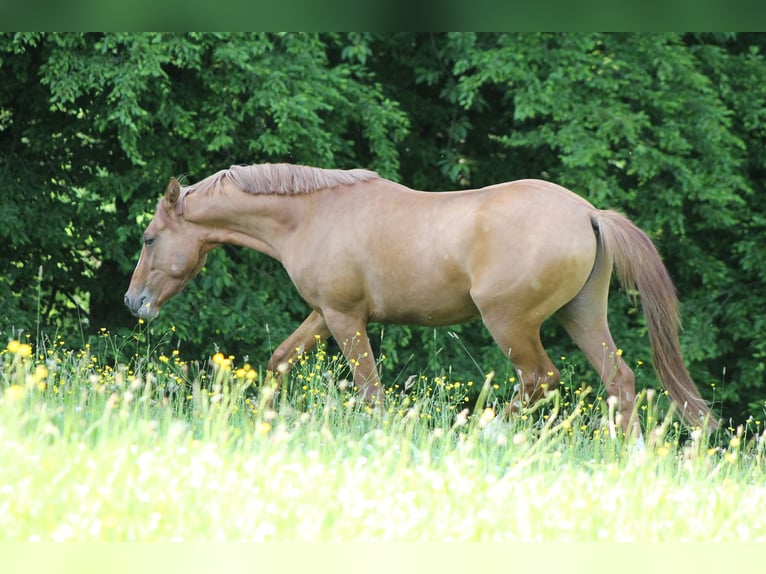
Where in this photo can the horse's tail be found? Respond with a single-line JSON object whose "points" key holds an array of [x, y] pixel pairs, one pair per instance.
{"points": [[640, 269]]}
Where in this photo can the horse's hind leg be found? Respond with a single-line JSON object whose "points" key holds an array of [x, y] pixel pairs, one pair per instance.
{"points": [[535, 372], [584, 318], [520, 342]]}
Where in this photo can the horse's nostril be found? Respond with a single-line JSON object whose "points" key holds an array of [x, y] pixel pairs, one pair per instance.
{"points": [[134, 304]]}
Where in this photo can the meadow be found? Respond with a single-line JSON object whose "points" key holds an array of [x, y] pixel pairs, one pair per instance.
{"points": [[165, 448]]}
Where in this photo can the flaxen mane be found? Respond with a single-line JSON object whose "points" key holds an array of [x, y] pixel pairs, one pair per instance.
{"points": [[281, 179]]}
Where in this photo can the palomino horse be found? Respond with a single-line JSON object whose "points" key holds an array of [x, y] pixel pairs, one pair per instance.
{"points": [[361, 248]]}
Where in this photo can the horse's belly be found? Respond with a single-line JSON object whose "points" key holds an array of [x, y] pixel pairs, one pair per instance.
{"points": [[429, 307]]}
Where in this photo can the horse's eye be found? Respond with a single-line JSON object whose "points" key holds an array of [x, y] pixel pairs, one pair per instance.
{"points": [[148, 241]]}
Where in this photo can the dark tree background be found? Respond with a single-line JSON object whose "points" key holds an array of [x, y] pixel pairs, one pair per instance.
{"points": [[668, 128]]}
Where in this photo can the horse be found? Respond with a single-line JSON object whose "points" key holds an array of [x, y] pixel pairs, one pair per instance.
{"points": [[360, 248]]}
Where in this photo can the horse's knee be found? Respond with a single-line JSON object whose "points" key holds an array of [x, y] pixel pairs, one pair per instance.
{"points": [[280, 361], [276, 359]]}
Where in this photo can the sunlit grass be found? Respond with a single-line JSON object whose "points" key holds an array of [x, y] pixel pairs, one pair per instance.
{"points": [[164, 448]]}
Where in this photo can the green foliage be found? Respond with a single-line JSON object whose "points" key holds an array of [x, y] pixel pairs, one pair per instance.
{"points": [[668, 128]]}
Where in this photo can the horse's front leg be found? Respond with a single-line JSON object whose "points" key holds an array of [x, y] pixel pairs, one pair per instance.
{"points": [[351, 334], [304, 338]]}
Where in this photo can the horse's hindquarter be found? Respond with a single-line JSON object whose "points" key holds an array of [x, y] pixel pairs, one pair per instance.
{"points": [[536, 248], [396, 255]]}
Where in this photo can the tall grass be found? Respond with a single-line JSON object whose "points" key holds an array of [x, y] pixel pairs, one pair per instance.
{"points": [[160, 448]]}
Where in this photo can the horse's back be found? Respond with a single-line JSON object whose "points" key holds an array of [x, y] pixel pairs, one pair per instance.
{"points": [[552, 194]]}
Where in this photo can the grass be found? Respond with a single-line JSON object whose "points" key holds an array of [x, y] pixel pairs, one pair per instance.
{"points": [[164, 449]]}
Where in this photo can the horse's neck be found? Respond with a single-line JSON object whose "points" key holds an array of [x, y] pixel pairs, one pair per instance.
{"points": [[260, 222]]}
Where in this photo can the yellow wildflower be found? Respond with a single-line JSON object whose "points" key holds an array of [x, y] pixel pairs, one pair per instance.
{"points": [[16, 348], [221, 361], [41, 373]]}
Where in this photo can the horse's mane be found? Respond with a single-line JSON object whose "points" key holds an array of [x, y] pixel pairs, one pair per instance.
{"points": [[281, 179]]}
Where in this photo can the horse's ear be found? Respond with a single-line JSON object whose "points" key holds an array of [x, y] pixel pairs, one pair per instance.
{"points": [[173, 192]]}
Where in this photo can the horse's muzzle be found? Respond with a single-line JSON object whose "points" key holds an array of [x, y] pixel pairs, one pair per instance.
{"points": [[140, 306]]}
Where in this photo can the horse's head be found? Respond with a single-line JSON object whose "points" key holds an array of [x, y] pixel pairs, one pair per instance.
{"points": [[173, 253]]}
